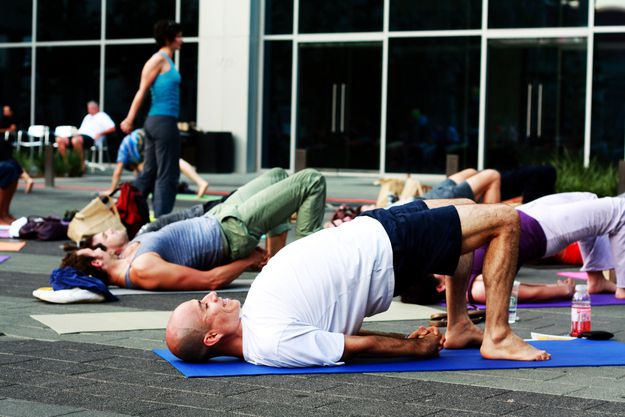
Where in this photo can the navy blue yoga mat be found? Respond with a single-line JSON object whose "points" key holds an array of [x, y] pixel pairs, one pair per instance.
{"points": [[578, 352]]}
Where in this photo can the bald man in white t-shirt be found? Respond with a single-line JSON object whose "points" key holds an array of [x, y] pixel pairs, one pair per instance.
{"points": [[307, 305]]}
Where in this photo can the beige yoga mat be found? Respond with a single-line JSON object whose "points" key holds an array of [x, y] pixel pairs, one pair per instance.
{"points": [[401, 311], [147, 320], [12, 245], [104, 322]]}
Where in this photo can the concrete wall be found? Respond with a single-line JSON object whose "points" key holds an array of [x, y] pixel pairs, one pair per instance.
{"points": [[223, 71]]}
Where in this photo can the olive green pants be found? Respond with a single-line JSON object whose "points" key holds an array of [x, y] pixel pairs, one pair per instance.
{"points": [[265, 204]]}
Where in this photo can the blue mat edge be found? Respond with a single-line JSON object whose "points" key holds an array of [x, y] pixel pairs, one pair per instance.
{"points": [[400, 365]]}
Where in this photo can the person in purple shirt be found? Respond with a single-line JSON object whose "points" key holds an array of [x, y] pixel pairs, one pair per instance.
{"points": [[548, 225]]}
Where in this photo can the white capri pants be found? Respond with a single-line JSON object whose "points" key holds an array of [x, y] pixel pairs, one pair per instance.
{"points": [[597, 223]]}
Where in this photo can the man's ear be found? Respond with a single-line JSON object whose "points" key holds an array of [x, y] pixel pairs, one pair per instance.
{"points": [[97, 263], [211, 338], [440, 287]]}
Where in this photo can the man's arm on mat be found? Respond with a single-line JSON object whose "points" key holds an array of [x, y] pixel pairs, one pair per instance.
{"points": [[448, 202], [420, 332], [154, 273], [427, 345]]}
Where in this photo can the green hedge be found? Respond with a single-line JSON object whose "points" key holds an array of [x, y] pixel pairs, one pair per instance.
{"points": [[598, 178], [71, 167]]}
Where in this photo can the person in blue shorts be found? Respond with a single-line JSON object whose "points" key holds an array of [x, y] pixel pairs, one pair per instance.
{"points": [[130, 157]]}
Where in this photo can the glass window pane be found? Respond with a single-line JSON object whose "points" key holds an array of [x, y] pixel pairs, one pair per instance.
{"points": [[609, 12], [188, 85], [535, 100], [16, 22], [135, 19], [63, 89], [537, 14], [276, 136], [123, 72], [63, 20], [15, 67], [435, 15], [278, 17], [433, 103], [190, 17], [327, 16], [608, 96]]}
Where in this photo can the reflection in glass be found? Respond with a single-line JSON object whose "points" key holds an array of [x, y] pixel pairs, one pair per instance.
{"points": [[438, 15], [339, 94], [276, 136], [62, 20], [15, 68], [188, 85], [609, 12], [190, 17], [135, 19], [535, 100], [433, 103], [608, 96], [328, 16], [278, 17], [122, 74], [16, 21], [62, 90], [537, 13]]}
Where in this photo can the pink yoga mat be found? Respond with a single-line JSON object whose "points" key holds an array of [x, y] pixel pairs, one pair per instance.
{"points": [[574, 275]]}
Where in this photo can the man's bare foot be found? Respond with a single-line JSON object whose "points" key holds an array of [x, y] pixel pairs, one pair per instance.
{"points": [[6, 220], [597, 284], [620, 293], [29, 185], [464, 334], [201, 190], [511, 347]]}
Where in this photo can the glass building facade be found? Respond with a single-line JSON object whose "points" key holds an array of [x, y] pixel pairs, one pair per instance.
{"points": [[397, 85], [369, 86], [55, 55]]}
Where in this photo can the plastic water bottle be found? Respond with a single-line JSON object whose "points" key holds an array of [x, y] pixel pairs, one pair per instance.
{"points": [[580, 311]]}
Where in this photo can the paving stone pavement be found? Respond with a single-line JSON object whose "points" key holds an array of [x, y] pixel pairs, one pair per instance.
{"points": [[115, 374]]}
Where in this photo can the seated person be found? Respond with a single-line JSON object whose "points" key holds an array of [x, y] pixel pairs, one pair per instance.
{"points": [[548, 225], [130, 157], [94, 127], [210, 251], [307, 305], [7, 121]]}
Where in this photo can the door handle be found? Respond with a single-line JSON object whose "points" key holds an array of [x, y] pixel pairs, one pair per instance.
{"points": [[528, 122], [343, 108], [333, 108], [539, 117]]}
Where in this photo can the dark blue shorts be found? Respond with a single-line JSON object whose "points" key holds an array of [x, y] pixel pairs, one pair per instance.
{"points": [[10, 171], [449, 189], [424, 241]]}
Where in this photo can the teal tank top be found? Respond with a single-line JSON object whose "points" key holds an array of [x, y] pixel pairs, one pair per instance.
{"points": [[166, 92]]}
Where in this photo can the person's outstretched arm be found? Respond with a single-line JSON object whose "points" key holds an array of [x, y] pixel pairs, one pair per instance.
{"points": [[117, 174], [423, 343], [148, 75], [151, 272]]}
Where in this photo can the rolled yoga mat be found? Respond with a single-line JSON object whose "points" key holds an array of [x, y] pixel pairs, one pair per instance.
{"points": [[574, 353]]}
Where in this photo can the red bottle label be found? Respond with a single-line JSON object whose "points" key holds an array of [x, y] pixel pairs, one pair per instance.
{"points": [[580, 321]]}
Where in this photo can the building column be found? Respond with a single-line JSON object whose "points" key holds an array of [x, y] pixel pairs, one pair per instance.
{"points": [[223, 99]]}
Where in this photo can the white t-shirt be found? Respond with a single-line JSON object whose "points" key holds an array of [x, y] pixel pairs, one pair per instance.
{"points": [[316, 290], [93, 124]]}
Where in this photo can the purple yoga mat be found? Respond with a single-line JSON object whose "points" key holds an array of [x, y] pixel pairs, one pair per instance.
{"points": [[4, 259], [4, 234], [595, 300]]}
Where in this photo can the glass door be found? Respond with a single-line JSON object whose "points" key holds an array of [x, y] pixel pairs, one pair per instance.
{"points": [[535, 99], [339, 95]]}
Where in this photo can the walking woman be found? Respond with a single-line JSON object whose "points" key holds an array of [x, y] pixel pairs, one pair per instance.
{"points": [[162, 148]]}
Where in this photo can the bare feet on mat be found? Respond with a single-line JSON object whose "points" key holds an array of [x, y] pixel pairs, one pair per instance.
{"points": [[511, 347], [620, 293], [201, 190], [598, 284], [463, 334]]}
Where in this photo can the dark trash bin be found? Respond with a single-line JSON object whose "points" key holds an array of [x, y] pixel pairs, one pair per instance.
{"points": [[215, 152]]}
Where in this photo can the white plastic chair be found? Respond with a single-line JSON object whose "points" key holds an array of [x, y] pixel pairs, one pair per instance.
{"points": [[35, 137], [97, 154], [65, 131]]}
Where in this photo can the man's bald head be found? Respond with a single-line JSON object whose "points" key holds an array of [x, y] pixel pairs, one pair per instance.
{"points": [[185, 332]]}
